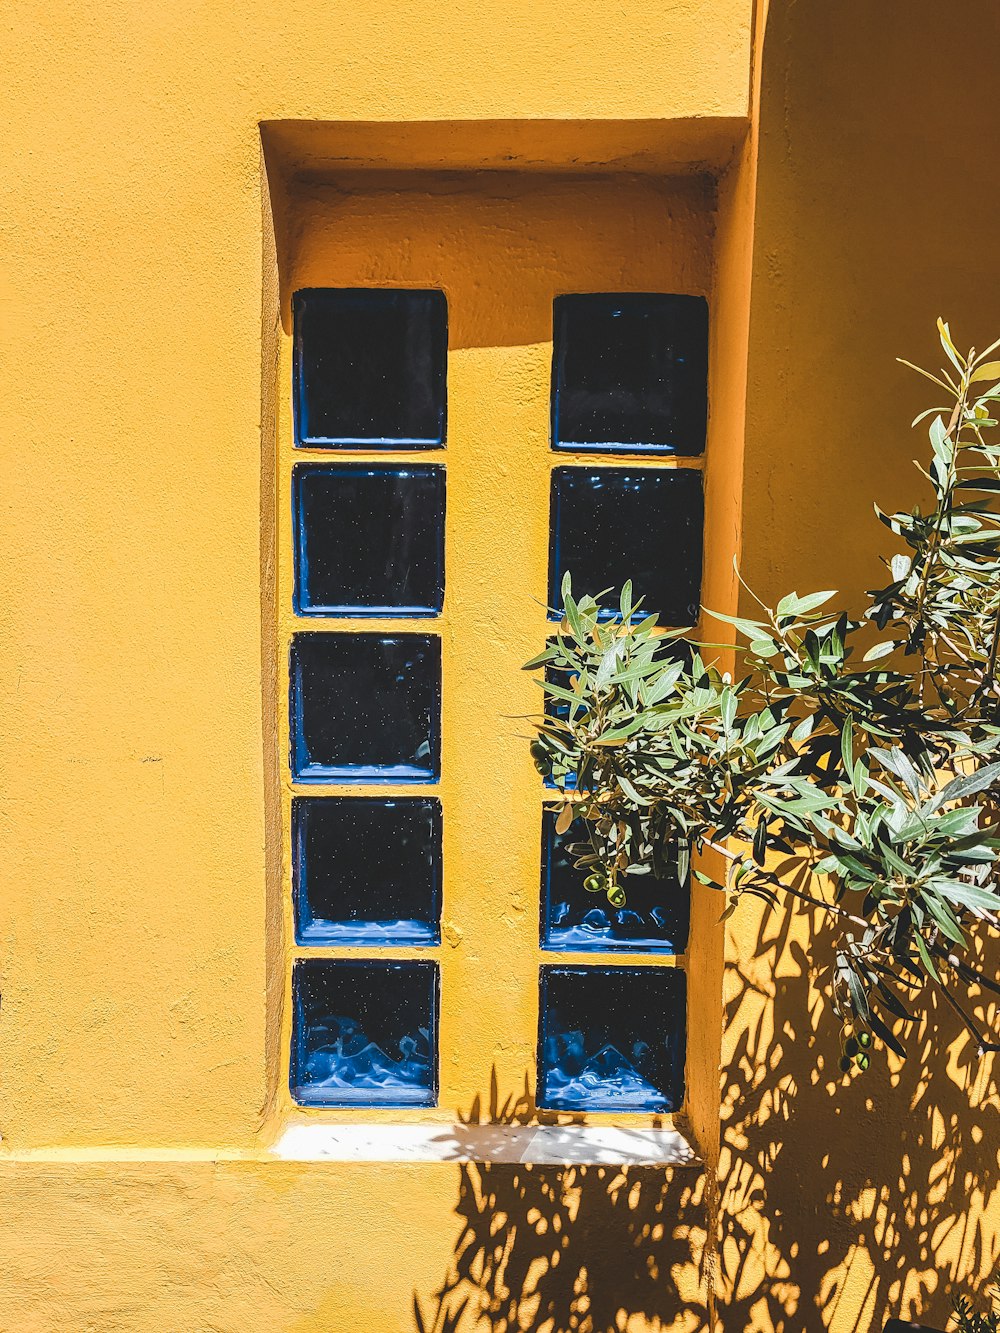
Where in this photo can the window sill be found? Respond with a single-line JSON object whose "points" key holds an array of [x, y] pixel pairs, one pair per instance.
{"points": [[551, 1145]]}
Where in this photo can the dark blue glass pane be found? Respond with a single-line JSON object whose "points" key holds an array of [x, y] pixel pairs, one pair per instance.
{"points": [[369, 540], [608, 525], [370, 367], [630, 373], [365, 707], [366, 871], [611, 1039], [364, 1033], [654, 918]]}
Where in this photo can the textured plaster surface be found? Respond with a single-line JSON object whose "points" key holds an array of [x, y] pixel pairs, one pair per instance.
{"points": [[134, 960], [846, 1203], [132, 945], [139, 941]]}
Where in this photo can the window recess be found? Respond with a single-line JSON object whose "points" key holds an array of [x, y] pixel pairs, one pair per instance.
{"points": [[421, 325]]}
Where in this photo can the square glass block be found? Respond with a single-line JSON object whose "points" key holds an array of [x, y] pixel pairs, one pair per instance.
{"points": [[611, 1039], [610, 524], [365, 707], [630, 373], [366, 871], [370, 367], [364, 1033], [654, 919], [369, 540]]}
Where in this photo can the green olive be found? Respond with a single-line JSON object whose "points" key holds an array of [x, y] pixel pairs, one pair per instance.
{"points": [[541, 757], [616, 896], [862, 1061], [864, 1039], [594, 883]]}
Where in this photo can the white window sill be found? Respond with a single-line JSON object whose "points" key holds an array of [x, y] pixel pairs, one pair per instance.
{"points": [[556, 1145]]}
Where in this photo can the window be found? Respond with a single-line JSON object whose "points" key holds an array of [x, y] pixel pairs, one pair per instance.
{"points": [[365, 1033], [370, 368], [611, 1039], [366, 871], [656, 916], [610, 524], [365, 707], [369, 541], [628, 374], [449, 447]]}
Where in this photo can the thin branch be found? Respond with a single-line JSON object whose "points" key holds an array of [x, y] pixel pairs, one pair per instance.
{"points": [[983, 1046], [796, 893], [967, 973]]}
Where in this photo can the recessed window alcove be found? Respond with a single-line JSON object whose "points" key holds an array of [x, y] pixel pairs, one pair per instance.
{"points": [[495, 358]]}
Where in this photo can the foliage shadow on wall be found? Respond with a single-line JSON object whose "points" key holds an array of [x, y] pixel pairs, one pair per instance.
{"points": [[896, 1171], [556, 1249], [844, 1201]]}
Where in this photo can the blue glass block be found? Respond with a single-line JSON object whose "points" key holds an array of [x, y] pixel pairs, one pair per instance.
{"points": [[366, 871], [369, 540], [611, 524], [654, 919], [365, 707], [630, 373], [370, 367], [364, 1033], [611, 1039]]}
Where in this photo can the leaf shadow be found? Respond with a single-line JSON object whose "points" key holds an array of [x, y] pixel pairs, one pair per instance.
{"points": [[848, 1200], [568, 1248], [838, 1203]]}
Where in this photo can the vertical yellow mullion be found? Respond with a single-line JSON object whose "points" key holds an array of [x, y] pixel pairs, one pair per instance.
{"points": [[497, 545]]}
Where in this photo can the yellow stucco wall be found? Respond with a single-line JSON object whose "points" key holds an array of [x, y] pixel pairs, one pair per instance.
{"points": [[133, 746], [141, 956], [844, 1205], [138, 942]]}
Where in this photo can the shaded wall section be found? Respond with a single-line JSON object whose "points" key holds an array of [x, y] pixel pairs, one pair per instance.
{"points": [[876, 212]]}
